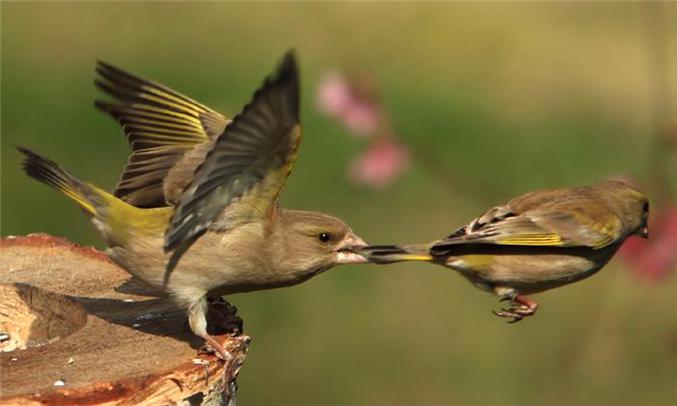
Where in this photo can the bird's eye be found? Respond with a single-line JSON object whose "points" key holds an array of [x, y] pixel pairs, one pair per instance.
{"points": [[324, 237]]}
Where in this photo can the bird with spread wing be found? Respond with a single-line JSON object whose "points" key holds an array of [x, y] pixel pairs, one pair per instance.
{"points": [[538, 241], [196, 213]]}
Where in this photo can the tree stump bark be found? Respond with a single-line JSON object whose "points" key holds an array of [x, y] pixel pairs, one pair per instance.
{"points": [[77, 329]]}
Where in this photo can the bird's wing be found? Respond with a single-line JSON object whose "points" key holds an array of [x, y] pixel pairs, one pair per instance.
{"points": [[567, 221], [160, 124], [243, 174]]}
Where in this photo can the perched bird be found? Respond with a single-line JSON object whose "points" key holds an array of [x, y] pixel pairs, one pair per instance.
{"points": [[537, 241], [196, 212]]}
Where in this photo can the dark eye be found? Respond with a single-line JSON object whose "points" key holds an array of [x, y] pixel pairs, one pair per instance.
{"points": [[324, 237]]}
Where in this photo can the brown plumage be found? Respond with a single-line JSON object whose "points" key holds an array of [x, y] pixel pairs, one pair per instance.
{"points": [[538, 241], [195, 213]]}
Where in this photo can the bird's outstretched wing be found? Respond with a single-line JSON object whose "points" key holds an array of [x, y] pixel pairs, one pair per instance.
{"points": [[243, 174], [161, 126], [556, 219]]}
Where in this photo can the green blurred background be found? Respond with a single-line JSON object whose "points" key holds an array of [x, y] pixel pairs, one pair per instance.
{"points": [[507, 97]]}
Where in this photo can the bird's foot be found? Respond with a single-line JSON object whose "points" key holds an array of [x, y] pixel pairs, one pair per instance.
{"points": [[232, 356], [224, 335], [520, 307], [212, 346], [235, 343]]}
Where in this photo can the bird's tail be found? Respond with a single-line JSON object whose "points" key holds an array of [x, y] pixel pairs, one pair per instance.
{"points": [[50, 173], [387, 254], [112, 216]]}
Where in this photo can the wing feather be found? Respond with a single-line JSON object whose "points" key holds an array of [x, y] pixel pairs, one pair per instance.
{"points": [[248, 164], [557, 218], [155, 119]]}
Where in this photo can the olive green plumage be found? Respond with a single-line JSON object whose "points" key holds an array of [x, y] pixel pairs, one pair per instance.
{"points": [[195, 213], [538, 241]]}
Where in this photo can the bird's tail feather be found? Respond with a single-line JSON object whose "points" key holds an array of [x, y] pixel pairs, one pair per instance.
{"points": [[50, 173], [113, 217], [386, 254]]}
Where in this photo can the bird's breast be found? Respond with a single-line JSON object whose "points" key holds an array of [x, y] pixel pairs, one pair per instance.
{"points": [[531, 271]]}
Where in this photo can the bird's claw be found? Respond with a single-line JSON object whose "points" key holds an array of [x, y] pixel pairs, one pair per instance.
{"points": [[520, 307], [508, 314], [213, 347], [222, 354], [516, 314], [243, 341]]}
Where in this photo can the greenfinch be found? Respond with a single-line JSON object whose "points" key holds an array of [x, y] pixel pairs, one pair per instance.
{"points": [[196, 213], [537, 241]]}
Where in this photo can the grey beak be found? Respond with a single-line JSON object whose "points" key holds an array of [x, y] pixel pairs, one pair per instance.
{"points": [[346, 252]]}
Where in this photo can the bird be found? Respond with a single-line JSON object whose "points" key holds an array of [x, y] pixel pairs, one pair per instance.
{"points": [[538, 241], [195, 214]]}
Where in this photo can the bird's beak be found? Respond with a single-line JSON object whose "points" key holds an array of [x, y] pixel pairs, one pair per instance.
{"points": [[644, 232], [348, 248]]}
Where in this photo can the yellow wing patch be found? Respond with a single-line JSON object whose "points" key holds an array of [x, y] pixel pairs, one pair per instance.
{"points": [[414, 257], [539, 240]]}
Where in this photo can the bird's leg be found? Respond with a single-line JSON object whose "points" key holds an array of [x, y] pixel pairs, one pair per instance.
{"points": [[237, 344], [213, 317], [520, 306], [197, 319]]}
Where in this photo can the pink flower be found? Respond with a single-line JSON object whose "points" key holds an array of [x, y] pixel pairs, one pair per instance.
{"points": [[362, 119], [353, 106], [352, 101], [382, 163], [654, 258], [334, 94]]}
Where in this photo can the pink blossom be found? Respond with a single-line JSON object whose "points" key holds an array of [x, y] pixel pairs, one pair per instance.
{"points": [[654, 258], [382, 163], [334, 94], [362, 119], [352, 101], [353, 106]]}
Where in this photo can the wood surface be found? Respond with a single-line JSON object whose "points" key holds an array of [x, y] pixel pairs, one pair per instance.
{"points": [[77, 329]]}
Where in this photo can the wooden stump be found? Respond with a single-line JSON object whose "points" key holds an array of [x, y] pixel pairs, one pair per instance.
{"points": [[77, 329]]}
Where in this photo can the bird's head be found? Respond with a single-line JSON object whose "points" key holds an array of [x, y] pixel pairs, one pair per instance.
{"points": [[631, 206], [312, 242]]}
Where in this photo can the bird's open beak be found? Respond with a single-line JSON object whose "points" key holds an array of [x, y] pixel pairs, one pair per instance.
{"points": [[346, 254]]}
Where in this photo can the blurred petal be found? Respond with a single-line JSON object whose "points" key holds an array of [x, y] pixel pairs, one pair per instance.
{"points": [[362, 119], [654, 258], [351, 102], [381, 164], [333, 94]]}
